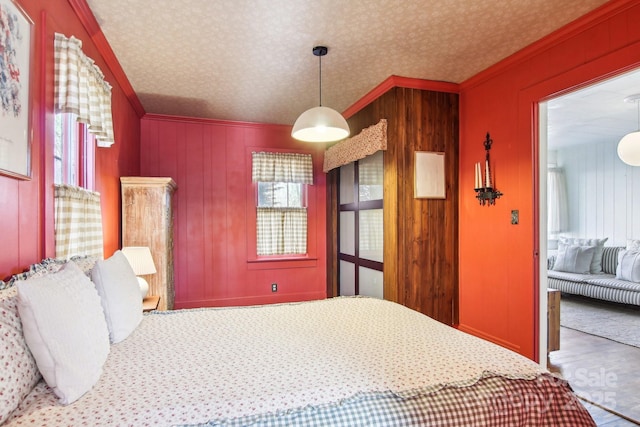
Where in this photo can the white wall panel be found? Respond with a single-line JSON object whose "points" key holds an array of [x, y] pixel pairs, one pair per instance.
{"points": [[602, 201]]}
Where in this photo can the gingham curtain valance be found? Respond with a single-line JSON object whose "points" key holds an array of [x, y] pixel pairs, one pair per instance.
{"points": [[80, 89], [282, 167], [367, 142], [281, 231], [78, 222]]}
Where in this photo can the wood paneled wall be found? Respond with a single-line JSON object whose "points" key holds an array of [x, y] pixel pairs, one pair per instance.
{"points": [[499, 264], [215, 260], [26, 206], [602, 192], [421, 235]]}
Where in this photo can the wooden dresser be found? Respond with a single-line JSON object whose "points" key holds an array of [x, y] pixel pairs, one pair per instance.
{"points": [[147, 220]]}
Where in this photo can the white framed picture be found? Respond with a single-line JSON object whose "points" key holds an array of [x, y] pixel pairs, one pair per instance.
{"points": [[429, 175], [16, 50]]}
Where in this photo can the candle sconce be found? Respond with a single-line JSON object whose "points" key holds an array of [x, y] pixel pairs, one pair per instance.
{"points": [[485, 192]]}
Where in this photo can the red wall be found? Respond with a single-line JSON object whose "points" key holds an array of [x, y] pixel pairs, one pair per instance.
{"points": [[214, 227], [26, 207], [498, 261]]}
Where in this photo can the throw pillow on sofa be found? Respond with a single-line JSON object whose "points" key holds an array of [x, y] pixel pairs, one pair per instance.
{"points": [[574, 259], [628, 266], [633, 245], [598, 244]]}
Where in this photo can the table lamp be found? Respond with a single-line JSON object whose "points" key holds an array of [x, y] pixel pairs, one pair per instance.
{"points": [[142, 263]]}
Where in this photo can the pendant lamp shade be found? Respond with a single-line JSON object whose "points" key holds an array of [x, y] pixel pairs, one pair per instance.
{"points": [[629, 145], [629, 149], [320, 124]]}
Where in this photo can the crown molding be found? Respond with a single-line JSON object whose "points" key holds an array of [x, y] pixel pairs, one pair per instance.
{"points": [[399, 81], [564, 33]]}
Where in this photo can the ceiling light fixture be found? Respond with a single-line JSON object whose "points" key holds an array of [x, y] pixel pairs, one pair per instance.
{"points": [[629, 145], [320, 124]]}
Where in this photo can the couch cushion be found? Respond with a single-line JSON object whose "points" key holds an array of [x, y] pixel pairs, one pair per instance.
{"points": [[633, 245], [610, 259], [614, 283], [628, 266], [575, 277], [574, 259], [596, 262]]}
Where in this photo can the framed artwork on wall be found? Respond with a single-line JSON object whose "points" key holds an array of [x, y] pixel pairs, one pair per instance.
{"points": [[429, 175], [16, 48]]}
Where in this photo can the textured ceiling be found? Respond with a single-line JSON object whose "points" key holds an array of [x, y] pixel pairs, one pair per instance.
{"points": [[597, 113], [251, 60]]}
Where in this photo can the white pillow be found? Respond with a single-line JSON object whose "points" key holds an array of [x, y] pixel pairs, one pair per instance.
{"points": [[633, 245], [596, 261], [628, 266], [574, 259], [65, 330], [119, 292], [18, 370]]}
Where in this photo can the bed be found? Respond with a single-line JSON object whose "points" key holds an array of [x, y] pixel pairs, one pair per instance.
{"points": [[341, 361]]}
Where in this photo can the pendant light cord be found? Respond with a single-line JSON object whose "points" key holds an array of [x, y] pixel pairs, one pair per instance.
{"points": [[320, 77]]}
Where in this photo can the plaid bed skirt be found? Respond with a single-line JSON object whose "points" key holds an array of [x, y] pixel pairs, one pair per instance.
{"points": [[492, 401]]}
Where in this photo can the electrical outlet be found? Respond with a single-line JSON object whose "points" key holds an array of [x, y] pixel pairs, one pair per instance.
{"points": [[515, 216], [274, 287]]}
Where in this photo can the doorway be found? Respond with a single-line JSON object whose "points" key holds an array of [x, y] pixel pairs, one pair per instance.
{"points": [[578, 136]]}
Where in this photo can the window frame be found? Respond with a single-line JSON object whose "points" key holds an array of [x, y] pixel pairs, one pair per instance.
{"points": [[310, 195], [77, 135]]}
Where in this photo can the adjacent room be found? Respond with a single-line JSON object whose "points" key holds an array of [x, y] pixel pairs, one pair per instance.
{"points": [[239, 212], [591, 197]]}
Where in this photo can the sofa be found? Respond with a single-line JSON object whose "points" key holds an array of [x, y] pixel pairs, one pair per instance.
{"points": [[607, 284]]}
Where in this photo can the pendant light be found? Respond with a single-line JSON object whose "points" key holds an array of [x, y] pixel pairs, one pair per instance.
{"points": [[629, 145], [320, 124]]}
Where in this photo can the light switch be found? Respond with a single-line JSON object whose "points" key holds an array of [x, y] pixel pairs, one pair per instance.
{"points": [[515, 216]]}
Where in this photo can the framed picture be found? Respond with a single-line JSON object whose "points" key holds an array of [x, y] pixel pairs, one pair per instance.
{"points": [[16, 48], [429, 175]]}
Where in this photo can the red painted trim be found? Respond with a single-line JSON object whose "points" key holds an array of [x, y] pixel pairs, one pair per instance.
{"points": [[399, 81], [41, 134], [185, 119], [584, 22], [88, 20]]}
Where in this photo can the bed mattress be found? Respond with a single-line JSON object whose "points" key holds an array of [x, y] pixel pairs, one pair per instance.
{"points": [[341, 361]]}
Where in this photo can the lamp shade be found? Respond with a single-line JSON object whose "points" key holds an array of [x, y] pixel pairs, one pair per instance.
{"points": [[320, 124], [140, 259], [629, 149]]}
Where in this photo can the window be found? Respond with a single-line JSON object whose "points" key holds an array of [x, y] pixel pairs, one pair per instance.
{"points": [[74, 152], [280, 195], [281, 212], [82, 103]]}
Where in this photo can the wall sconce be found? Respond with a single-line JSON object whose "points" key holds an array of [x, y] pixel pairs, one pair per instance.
{"points": [[485, 192], [142, 263]]}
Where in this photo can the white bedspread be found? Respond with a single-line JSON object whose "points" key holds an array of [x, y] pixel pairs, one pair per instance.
{"points": [[192, 366]]}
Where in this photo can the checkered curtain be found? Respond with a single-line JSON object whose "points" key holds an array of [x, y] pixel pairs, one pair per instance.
{"points": [[282, 167], [78, 223], [282, 231], [80, 88]]}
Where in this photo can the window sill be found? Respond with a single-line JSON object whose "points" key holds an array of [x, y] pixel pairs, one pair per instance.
{"points": [[268, 263]]}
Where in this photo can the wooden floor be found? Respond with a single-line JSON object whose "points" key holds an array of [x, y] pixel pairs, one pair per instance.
{"points": [[603, 372]]}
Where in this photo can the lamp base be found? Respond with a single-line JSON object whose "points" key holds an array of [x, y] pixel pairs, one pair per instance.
{"points": [[144, 287]]}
